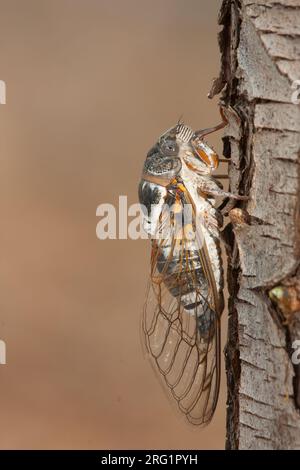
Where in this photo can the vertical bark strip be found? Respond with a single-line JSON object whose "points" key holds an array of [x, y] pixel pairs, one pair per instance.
{"points": [[260, 45]]}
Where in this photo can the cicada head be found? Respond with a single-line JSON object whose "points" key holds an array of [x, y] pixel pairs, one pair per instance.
{"points": [[181, 140], [164, 160]]}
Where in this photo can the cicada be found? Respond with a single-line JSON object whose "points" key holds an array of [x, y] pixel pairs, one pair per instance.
{"points": [[182, 313]]}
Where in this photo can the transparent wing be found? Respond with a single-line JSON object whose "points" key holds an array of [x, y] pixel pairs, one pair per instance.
{"points": [[181, 326]]}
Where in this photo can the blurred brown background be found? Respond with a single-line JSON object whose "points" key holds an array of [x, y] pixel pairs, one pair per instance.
{"points": [[90, 85]]}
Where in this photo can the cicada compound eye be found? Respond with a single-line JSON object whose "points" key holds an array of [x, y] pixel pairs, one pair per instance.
{"points": [[169, 148]]}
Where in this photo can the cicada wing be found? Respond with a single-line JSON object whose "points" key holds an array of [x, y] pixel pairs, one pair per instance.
{"points": [[183, 347]]}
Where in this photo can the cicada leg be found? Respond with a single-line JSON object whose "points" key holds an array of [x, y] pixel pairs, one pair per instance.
{"points": [[202, 132], [211, 188]]}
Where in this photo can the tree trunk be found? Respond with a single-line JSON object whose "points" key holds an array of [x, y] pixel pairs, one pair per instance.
{"points": [[260, 45]]}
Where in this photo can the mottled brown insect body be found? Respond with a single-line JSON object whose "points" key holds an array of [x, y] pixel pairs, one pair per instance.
{"points": [[182, 313]]}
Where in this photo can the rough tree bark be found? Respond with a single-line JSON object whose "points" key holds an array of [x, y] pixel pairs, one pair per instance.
{"points": [[260, 45]]}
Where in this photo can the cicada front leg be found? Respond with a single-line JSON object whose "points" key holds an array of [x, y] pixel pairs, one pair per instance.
{"points": [[210, 187], [209, 130]]}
